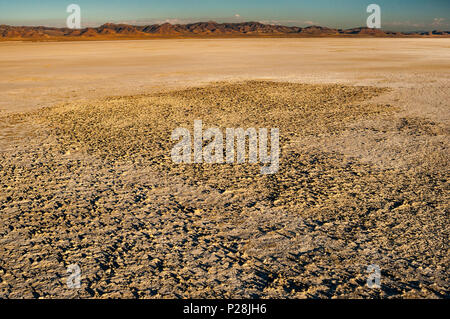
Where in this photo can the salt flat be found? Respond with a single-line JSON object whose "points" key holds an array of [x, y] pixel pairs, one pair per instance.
{"points": [[40, 74]]}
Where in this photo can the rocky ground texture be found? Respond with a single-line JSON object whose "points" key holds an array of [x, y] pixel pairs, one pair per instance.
{"points": [[93, 184]]}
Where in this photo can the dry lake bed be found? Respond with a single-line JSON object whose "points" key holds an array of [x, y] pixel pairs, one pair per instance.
{"points": [[87, 177]]}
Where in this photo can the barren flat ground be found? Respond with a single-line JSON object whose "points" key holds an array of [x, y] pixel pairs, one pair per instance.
{"points": [[87, 177]]}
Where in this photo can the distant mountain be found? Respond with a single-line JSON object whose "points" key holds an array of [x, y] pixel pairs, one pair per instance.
{"points": [[199, 29]]}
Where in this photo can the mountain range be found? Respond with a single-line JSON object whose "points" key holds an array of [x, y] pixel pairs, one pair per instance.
{"points": [[199, 29]]}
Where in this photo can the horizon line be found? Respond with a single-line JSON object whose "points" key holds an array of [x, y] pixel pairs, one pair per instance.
{"points": [[215, 22]]}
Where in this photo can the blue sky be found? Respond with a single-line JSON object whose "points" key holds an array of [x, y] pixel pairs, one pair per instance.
{"points": [[401, 15]]}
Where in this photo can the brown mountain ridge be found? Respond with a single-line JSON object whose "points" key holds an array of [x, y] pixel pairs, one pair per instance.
{"points": [[198, 29]]}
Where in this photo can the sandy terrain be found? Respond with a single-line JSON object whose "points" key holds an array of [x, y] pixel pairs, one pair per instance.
{"points": [[40, 74], [88, 179]]}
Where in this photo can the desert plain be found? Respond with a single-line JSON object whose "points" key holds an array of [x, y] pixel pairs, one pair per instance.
{"points": [[87, 177]]}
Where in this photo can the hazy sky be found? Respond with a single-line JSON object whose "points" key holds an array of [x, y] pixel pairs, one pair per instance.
{"points": [[401, 15]]}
